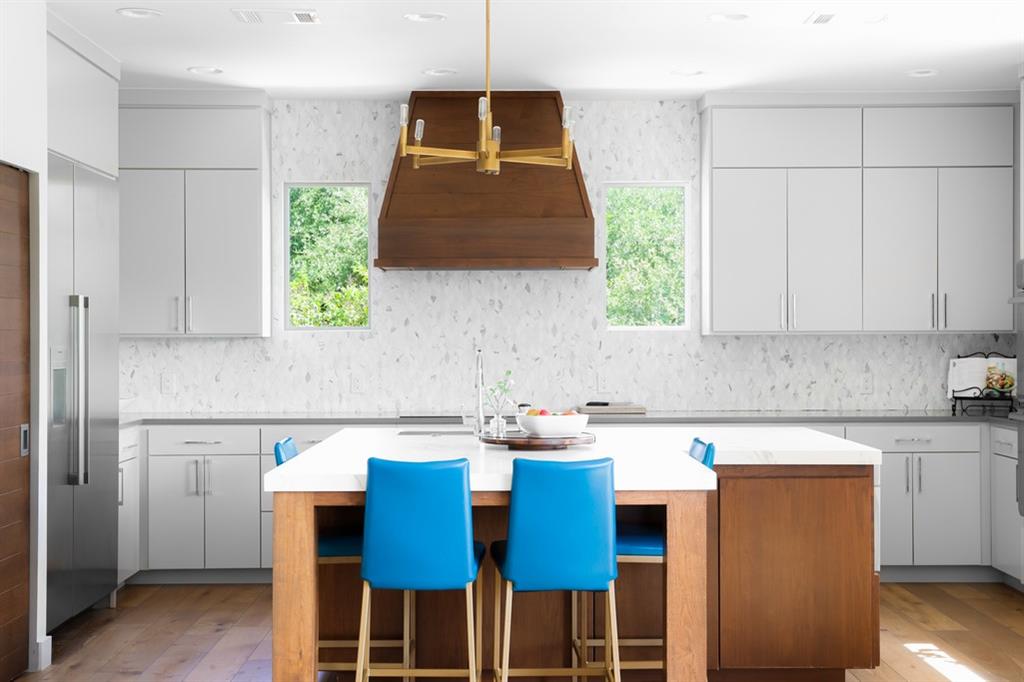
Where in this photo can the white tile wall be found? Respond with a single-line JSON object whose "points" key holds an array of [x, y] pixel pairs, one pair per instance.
{"points": [[548, 327]]}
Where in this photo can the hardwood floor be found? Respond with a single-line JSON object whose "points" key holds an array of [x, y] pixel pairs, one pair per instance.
{"points": [[210, 633]]}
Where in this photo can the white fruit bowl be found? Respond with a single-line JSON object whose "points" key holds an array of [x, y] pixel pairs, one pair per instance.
{"points": [[553, 426]]}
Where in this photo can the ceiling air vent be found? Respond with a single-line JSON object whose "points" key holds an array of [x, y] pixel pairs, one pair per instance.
{"points": [[819, 18], [276, 16]]}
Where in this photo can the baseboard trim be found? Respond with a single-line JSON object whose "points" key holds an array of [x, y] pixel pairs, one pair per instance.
{"points": [[213, 576], [778, 675], [942, 574], [40, 654]]}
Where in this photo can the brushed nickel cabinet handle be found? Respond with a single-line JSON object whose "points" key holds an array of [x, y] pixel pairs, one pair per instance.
{"points": [[120, 486], [195, 462], [920, 475], [204, 442], [793, 316], [177, 313], [906, 472], [945, 311], [189, 306], [932, 309], [782, 311]]}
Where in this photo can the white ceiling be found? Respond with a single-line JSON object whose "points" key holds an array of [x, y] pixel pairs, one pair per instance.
{"points": [[365, 49]]}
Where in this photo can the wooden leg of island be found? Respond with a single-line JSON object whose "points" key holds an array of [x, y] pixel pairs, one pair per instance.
{"points": [[295, 587], [686, 629]]}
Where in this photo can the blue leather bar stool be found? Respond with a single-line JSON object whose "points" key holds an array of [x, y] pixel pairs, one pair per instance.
{"points": [[561, 536], [347, 548], [636, 543], [418, 535]]}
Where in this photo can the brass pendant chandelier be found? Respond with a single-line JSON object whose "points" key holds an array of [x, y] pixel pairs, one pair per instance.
{"points": [[488, 155]]}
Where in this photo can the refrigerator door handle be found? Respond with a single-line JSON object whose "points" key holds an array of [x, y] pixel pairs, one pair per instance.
{"points": [[77, 474], [86, 412], [120, 486]]}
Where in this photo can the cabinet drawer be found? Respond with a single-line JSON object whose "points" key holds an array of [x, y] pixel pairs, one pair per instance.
{"points": [[918, 437], [304, 435], [267, 463], [204, 440], [1004, 442], [128, 444]]}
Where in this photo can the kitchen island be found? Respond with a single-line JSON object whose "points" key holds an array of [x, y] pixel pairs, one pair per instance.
{"points": [[795, 515]]}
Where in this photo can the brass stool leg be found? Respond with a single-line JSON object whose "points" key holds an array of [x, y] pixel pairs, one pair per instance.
{"points": [[508, 633], [364, 634], [478, 593], [497, 623], [612, 629], [575, 630], [470, 634], [406, 632]]}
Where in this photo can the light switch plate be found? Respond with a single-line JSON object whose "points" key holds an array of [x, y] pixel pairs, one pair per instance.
{"points": [[356, 385], [169, 383]]}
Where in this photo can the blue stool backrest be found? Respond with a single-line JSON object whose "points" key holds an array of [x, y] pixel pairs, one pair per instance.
{"points": [[418, 532], [561, 533], [703, 452], [284, 450]]}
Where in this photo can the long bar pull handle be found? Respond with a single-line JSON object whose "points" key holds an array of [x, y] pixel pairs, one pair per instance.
{"points": [[177, 313], [87, 412], [208, 465], [933, 311], [782, 311], [188, 313], [195, 462], [945, 311], [76, 474], [120, 486], [920, 475], [906, 471], [793, 315], [203, 442]]}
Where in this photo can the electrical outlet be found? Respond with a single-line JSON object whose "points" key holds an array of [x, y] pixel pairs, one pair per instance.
{"points": [[356, 385], [169, 383], [601, 382], [867, 383]]}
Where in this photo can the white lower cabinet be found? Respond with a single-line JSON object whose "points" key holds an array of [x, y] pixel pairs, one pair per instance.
{"points": [[203, 511], [127, 519], [947, 509], [897, 510], [1007, 523]]}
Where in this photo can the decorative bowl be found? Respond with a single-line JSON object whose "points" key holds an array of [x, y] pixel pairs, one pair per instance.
{"points": [[553, 425]]}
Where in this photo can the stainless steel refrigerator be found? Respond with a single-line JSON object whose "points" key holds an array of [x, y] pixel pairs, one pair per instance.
{"points": [[83, 430]]}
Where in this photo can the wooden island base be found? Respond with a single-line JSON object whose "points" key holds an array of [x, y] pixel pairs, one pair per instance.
{"points": [[314, 601]]}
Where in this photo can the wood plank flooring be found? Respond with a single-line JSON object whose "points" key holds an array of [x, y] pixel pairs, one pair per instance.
{"points": [[214, 633]]}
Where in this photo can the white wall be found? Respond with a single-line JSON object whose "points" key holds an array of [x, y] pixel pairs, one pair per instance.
{"points": [[548, 327]]}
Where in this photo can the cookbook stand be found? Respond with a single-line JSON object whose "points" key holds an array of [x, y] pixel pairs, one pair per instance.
{"points": [[979, 401]]}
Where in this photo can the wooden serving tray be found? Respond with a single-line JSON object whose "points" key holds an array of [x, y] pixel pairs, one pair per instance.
{"points": [[525, 441]]}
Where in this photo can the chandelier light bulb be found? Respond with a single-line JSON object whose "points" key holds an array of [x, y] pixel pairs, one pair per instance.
{"points": [[418, 133], [496, 134], [481, 110], [403, 115]]}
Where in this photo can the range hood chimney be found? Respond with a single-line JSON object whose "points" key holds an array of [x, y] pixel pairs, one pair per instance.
{"points": [[450, 217]]}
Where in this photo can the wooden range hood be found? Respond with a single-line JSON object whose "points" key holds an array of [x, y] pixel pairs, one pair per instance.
{"points": [[451, 217]]}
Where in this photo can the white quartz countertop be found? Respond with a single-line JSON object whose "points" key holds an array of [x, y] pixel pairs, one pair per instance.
{"points": [[651, 458]]}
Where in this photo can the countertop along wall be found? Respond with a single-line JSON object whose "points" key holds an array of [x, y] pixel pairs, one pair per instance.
{"points": [[548, 327]]}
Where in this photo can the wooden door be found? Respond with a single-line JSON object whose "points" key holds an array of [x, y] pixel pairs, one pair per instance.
{"points": [[14, 411], [900, 252], [223, 252], [748, 250], [824, 249], [176, 512], [947, 509], [152, 252], [897, 513], [976, 248], [232, 487]]}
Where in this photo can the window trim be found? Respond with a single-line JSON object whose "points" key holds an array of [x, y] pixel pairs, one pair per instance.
{"points": [[286, 253], [688, 219]]}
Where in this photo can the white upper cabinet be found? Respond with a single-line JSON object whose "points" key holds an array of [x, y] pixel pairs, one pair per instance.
{"points": [[900, 259], [191, 138], [824, 249], [781, 138], [938, 136], [23, 84], [748, 250], [82, 109], [223, 252], [975, 248], [152, 251]]}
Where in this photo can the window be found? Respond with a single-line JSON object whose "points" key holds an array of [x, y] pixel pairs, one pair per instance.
{"points": [[328, 256], [646, 263]]}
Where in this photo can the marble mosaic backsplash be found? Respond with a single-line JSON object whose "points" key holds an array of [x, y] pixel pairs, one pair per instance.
{"points": [[547, 327]]}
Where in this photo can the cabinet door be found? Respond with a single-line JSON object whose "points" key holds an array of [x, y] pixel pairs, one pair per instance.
{"points": [[900, 260], [267, 540], [947, 509], [176, 512], [938, 136], [748, 250], [232, 486], [128, 520], [152, 251], [786, 137], [824, 249], [224, 245], [1007, 523], [897, 510], [976, 248]]}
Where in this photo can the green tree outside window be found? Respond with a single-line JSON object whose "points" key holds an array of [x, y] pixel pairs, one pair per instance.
{"points": [[328, 233], [646, 264]]}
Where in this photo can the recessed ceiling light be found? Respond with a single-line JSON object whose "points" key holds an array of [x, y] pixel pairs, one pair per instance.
{"points": [[922, 73], [726, 17], [439, 72], [426, 17], [205, 70], [139, 12], [687, 73]]}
